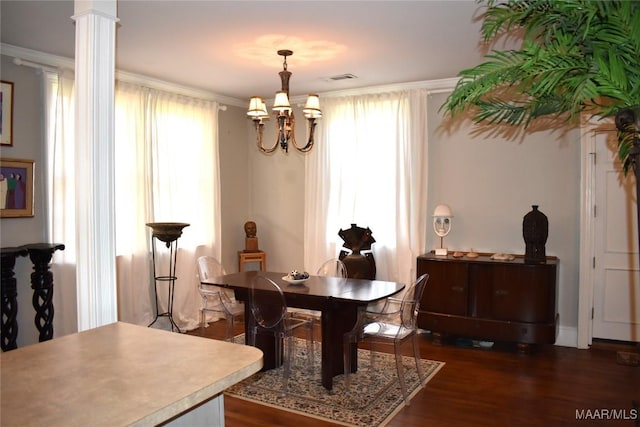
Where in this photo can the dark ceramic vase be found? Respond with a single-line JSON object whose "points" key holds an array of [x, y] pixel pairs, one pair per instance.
{"points": [[535, 230]]}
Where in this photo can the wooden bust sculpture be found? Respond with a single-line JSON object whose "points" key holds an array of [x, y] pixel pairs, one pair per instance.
{"points": [[250, 241]]}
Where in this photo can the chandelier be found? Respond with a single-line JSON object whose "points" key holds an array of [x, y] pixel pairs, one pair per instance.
{"points": [[284, 114]]}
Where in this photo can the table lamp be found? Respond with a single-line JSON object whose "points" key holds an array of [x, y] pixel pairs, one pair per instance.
{"points": [[442, 225]]}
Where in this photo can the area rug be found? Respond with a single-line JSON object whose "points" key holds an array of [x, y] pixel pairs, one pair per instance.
{"points": [[372, 400]]}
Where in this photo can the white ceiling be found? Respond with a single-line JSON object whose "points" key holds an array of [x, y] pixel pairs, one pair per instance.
{"points": [[208, 44]]}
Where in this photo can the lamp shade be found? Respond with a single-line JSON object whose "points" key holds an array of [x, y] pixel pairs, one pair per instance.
{"points": [[313, 104], [442, 211], [281, 102], [257, 108], [312, 107]]}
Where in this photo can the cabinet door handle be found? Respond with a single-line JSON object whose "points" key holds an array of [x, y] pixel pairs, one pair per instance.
{"points": [[457, 288], [501, 292]]}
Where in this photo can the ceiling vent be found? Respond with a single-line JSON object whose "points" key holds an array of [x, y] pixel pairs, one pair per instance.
{"points": [[342, 77]]}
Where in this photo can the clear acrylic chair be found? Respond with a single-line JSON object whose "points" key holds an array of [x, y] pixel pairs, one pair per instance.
{"points": [[270, 315], [330, 268], [216, 298], [395, 324]]}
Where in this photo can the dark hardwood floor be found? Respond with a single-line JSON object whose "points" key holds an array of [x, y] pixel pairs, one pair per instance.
{"points": [[554, 386]]}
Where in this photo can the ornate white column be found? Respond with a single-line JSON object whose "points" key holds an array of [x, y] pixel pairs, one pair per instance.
{"points": [[94, 162]]}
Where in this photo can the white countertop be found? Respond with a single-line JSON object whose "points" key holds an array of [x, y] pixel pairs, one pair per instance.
{"points": [[116, 375]]}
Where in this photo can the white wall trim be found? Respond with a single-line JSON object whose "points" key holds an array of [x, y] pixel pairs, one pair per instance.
{"points": [[432, 86], [587, 235], [567, 337], [42, 58], [46, 60]]}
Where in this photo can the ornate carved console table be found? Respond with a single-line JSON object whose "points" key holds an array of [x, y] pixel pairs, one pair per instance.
{"points": [[41, 283], [9, 294]]}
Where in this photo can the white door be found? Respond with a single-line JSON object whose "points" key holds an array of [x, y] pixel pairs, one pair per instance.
{"points": [[616, 293]]}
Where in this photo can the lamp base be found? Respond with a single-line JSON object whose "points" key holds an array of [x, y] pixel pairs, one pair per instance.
{"points": [[441, 252]]}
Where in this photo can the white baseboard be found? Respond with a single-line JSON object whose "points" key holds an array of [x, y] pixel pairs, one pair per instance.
{"points": [[567, 336]]}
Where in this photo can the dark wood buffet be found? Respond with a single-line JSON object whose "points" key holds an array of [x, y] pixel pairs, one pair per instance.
{"points": [[493, 300]]}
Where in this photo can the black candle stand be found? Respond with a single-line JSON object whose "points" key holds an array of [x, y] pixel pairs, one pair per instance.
{"points": [[167, 232]]}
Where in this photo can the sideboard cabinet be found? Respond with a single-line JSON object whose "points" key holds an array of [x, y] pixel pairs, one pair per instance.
{"points": [[492, 300]]}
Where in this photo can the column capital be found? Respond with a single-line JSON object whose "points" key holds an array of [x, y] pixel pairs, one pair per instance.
{"points": [[101, 7]]}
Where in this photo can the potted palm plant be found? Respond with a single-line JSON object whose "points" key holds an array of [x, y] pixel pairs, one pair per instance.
{"points": [[576, 57]]}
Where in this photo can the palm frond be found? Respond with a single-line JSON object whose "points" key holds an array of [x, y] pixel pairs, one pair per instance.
{"points": [[582, 50], [576, 56], [497, 111], [626, 141]]}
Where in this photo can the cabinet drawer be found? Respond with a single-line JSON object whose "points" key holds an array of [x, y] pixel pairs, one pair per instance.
{"points": [[523, 293], [447, 290]]}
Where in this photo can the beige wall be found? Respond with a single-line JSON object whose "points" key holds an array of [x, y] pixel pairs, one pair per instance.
{"points": [[27, 137], [490, 183], [265, 188], [234, 194], [277, 198]]}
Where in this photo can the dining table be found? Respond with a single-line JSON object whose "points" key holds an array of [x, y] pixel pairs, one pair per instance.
{"points": [[340, 300]]}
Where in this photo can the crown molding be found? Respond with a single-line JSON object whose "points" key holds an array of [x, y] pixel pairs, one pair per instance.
{"points": [[47, 61], [432, 86]]}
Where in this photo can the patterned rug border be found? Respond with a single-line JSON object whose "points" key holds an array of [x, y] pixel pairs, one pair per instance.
{"points": [[374, 405], [294, 411]]}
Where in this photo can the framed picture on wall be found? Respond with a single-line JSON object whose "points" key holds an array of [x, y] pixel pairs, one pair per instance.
{"points": [[6, 113], [16, 188]]}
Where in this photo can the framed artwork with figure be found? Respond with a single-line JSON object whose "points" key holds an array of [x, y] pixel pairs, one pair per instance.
{"points": [[6, 113], [16, 188]]}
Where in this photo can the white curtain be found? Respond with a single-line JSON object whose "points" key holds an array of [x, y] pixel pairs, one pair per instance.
{"points": [[167, 170], [59, 127], [369, 167]]}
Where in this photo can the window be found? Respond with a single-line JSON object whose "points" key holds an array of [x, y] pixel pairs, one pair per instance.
{"points": [[369, 169]]}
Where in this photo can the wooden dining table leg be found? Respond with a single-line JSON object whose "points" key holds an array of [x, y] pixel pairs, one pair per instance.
{"points": [[337, 319]]}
